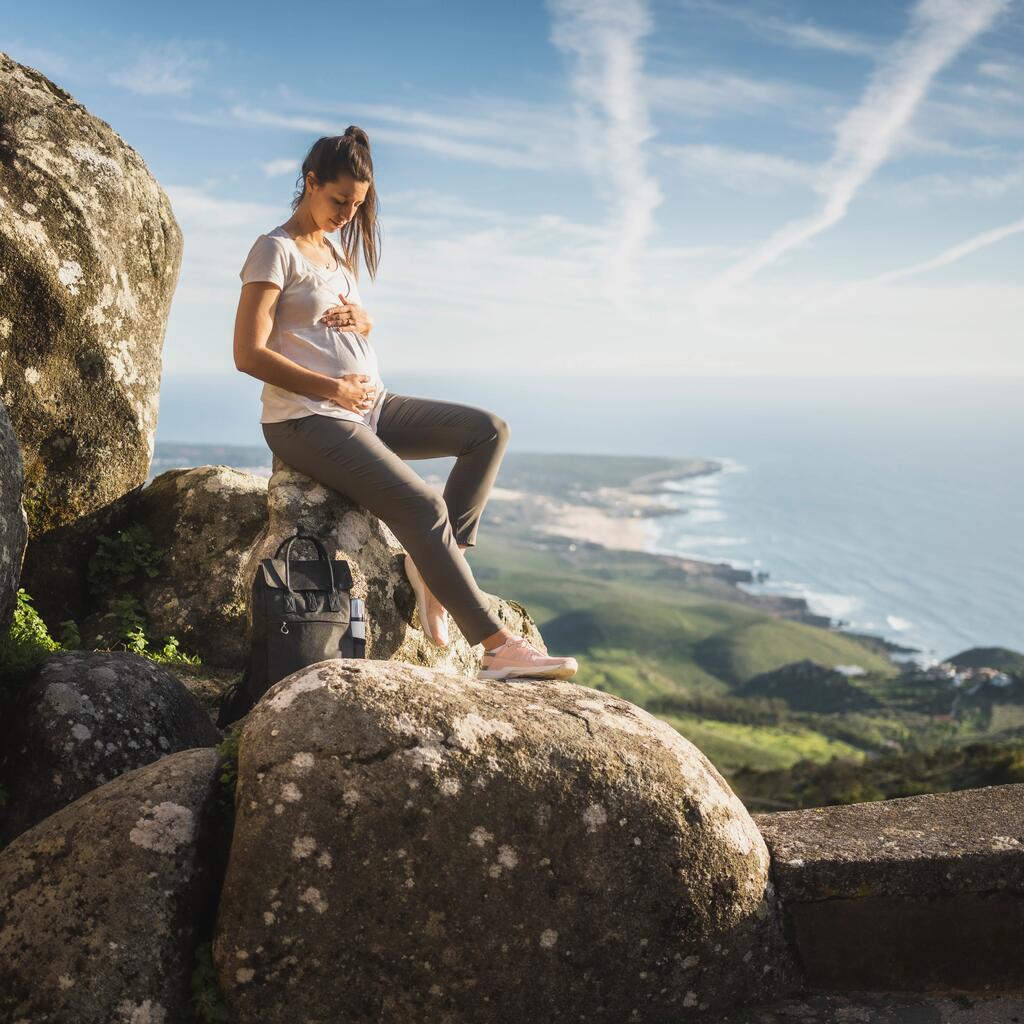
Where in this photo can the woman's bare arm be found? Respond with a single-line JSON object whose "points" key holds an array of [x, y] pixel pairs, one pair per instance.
{"points": [[253, 323]]}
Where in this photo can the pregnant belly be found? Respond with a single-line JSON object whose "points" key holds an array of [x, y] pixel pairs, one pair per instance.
{"points": [[331, 352]]}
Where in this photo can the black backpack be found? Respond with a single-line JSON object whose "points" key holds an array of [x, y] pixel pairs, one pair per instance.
{"points": [[300, 615]]}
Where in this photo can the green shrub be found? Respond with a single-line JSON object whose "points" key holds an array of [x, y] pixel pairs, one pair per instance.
{"points": [[69, 638], [135, 641], [28, 640], [131, 626], [120, 560]]}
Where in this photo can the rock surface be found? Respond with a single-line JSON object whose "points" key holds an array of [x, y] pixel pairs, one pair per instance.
{"points": [[967, 841], [90, 253], [885, 1008], [13, 521], [102, 904], [206, 520], [377, 561], [917, 894], [88, 717], [412, 844]]}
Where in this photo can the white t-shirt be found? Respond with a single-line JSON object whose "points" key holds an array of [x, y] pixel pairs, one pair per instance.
{"points": [[307, 291]]}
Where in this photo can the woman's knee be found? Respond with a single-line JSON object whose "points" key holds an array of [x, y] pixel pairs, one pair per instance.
{"points": [[429, 510], [502, 428], [494, 428]]}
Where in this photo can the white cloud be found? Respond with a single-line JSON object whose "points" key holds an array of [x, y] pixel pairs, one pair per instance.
{"points": [[169, 69], [201, 211], [865, 137], [604, 37], [520, 153], [927, 187], [960, 116], [856, 298], [278, 168], [712, 93], [800, 34], [953, 253], [744, 170], [1003, 71], [476, 116]]}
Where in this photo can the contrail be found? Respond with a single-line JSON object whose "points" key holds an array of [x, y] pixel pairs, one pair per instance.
{"points": [[938, 31], [848, 290], [952, 254], [605, 36]]}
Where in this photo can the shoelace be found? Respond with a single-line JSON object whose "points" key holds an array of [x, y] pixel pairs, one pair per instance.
{"points": [[515, 641]]}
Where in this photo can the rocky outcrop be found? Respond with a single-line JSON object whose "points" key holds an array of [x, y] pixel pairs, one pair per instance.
{"points": [[102, 904], [206, 521], [203, 520], [412, 844], [86, 718], [215, 524], [13, 522], [377, 561], [918, 894], [90, 253]]}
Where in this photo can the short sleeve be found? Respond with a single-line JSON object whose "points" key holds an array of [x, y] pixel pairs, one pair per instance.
{"points": [[266, 262]]}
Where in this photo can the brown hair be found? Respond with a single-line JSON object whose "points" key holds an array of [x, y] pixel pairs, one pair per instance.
{"points": [[330, 157]]}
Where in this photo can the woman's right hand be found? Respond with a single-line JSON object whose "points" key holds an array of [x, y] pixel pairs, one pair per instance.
{"points": [[355, 392]]}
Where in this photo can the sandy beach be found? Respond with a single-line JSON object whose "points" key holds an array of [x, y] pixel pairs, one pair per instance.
{"points": [[619, 522], [587, 523]]}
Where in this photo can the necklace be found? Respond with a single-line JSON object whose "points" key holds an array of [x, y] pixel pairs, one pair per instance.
{"points": [[328, 246]]}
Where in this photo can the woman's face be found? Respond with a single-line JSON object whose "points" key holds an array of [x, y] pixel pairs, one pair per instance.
{"points": [[335, 203]]}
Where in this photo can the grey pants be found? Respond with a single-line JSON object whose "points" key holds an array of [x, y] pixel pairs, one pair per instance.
{"points": [[369, 468]]}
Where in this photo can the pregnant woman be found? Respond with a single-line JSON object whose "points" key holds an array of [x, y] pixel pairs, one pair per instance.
{"points": [[302, 330]]}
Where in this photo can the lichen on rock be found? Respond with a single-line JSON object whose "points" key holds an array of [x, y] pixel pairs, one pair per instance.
{"points": [[463, 835], [91, 253]]}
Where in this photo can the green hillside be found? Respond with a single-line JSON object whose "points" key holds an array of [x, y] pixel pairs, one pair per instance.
{"points": [[699, 654], [642, 640]]}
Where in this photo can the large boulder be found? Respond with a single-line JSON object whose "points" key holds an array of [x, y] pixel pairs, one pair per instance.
{"points": [[90, 253], [376, 558], [206, 520], [413, 844], [102, 905], [86, 718], [215, 524], [13, 521]]}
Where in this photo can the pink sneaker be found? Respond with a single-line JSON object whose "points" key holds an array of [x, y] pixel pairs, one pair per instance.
{"points": [[434, 621], [517, 657]]}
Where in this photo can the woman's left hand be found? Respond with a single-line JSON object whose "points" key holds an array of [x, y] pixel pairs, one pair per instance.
{"points": [[348, 317]]}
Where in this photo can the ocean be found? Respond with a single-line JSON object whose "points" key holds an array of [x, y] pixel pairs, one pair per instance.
{"points": [[894, 505]]}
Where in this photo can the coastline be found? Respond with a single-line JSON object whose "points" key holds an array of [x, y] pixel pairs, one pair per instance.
{"points": [[615, 517], [622, 518], [564, 501]]}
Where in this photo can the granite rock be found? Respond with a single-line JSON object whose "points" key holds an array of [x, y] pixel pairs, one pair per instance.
{"points": [[89, 258], [413, 844], [103, 903], [86, 718]]}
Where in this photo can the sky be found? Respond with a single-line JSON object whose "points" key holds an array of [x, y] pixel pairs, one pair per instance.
{"points": [[776, 187]]}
